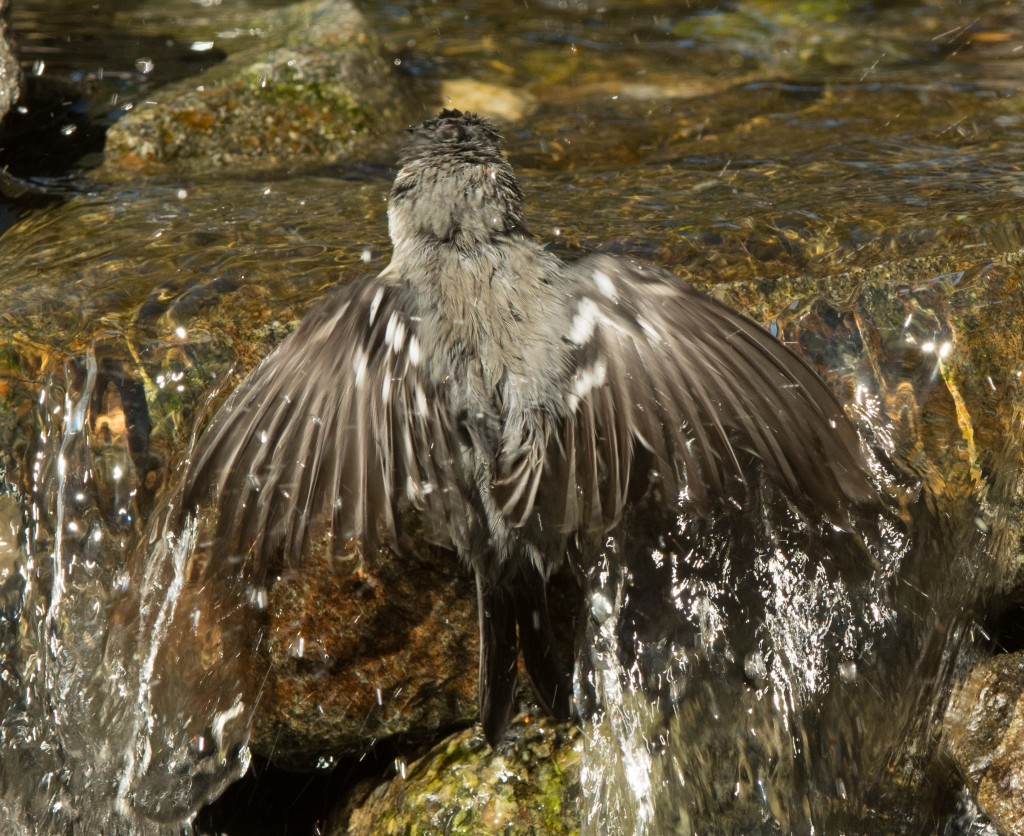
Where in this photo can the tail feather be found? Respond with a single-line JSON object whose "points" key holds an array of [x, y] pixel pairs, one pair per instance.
{"points": [[519, 601], [550, 679], [499, 657]]}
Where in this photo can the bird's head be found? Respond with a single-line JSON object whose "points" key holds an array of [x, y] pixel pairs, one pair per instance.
{"points": [[455, 185]]}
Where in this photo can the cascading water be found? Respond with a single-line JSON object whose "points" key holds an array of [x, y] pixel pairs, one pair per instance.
{"points": [[765, 672], [102, 733], [710, 651]]}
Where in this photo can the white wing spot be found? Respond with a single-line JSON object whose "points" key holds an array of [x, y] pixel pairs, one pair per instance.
{"points": [[414, 350], [385, 389], [584, 322], [588, 379], [375, 303], [421, 400], [605, 284], [359, 366], [394, 336]]}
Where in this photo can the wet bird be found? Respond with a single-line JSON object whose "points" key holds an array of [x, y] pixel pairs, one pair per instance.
{"points": [[513, 403]]}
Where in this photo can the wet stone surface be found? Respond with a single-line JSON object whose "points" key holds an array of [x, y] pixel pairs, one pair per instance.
{"points": [[361, 650], [985, 732], [315, 90], [530, 784]]}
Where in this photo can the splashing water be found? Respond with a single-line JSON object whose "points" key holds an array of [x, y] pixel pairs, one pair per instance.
{"points": [[104, 730], [722, 664]]}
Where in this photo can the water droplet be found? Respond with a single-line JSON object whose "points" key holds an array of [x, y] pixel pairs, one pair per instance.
{"points": [[257, 596], [600, 607], [754, 667], [144, 65]]}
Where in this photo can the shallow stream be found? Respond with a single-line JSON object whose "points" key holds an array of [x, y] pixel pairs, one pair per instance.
{"points": [[757, 148]]}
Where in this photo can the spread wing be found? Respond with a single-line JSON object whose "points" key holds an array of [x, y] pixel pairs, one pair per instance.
{"points": [[673, 376], [334, 433]]}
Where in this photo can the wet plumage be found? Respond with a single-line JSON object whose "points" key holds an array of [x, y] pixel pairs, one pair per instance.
{"points": [[512, 402]]}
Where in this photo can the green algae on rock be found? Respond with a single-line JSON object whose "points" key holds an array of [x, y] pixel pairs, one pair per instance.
{"points": [[462, 786], [316, 91]]}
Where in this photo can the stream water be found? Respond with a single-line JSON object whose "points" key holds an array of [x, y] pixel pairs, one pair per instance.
{"points": [[761, 674]]}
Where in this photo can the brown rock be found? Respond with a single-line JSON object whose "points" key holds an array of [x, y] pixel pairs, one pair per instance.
{"points": [[984, 729], [312, 93], [363, 649]]}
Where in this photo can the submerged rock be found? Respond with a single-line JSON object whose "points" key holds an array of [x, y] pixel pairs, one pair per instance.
{"points": [[171, 297], [316, 90]]}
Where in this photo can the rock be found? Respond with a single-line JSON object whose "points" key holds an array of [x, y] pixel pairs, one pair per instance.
{"points": [[317, 90], [490, 100], [529, 785], [935, 340], [360, 650], [10, 72], [984, 730]]}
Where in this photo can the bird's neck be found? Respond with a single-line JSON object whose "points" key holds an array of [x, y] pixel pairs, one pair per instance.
{"points": [[487, 296]]}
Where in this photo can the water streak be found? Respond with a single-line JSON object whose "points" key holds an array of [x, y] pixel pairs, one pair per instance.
{"points": [[99, 729]]}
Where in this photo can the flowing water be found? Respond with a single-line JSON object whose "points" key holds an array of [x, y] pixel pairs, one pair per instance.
{"points": [[758, 673]]}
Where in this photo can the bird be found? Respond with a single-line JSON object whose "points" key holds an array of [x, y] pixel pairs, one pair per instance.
{"points": [[513, 404]]}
